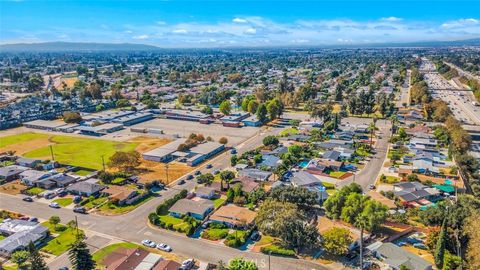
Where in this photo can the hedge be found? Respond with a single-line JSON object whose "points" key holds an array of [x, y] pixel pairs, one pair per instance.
{"points": [[276, 250]]}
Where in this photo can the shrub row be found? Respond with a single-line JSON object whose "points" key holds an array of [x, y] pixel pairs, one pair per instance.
{"points": [[163, 208], [276, 250]]}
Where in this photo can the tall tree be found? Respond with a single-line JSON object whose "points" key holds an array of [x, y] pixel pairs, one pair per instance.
{"points": [[262, 113], [225, 107], [35, 258], [80, 256], [440, 246]]}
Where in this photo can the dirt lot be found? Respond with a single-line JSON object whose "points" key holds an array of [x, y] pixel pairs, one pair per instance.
{"points": [[12, 188], [155, 170]]}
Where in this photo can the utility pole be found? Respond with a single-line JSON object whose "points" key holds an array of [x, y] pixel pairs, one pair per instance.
{"points": [[166, 172], [269, 254], [76, 226], [103, 162], [51, 153]]}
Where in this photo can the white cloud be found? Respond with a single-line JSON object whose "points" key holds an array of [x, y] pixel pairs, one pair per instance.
{"points": [[239, 20], [250, 31], [141, 37], [391, 19], [180, 31], [258, 31], [461, 23]]}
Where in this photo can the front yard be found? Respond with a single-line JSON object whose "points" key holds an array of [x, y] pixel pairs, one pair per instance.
{"points": [[63, 235], [174, 223], [111, 208], [63, 201]]}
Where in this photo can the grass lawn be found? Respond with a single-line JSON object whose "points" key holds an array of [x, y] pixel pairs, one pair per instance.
{"points": [[25, 137], [362, 152], [60, 244], [2, 237], [113, 209], [82, 172], [102, 253], [63, 201], [176, 222], [118, 180], [215, 234], [289, 131], [389, 179], [218, 202], [35, 190], [75, 151], [10, 267], [336, 174], [95, 202], [328, 185]]}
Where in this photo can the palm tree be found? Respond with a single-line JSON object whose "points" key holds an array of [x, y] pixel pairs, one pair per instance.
{"points": [[361, 222]]}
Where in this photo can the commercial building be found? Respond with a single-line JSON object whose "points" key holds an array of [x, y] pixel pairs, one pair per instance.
{"points": [[99, 130], [133, 119], [192, 156]]}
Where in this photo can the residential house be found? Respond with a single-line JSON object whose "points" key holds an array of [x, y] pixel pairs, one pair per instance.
{"points": [[415, 194], [256, 174], [37, 178], [205, 192], [28, 162], [332, 164], [248, 184], [233, 216], [167, 265], [121, 194], [11, 172], [124, 258], [63, 180], [396, 257], [197, 208], [270, 161], [19, 235], [85, 188], [306, 180], [331, 155]]}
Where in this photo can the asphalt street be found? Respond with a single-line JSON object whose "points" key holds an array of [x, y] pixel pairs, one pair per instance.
{"points": [[368, 175], [133, 226]]}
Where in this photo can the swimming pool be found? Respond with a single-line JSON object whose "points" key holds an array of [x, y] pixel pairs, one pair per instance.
{"points": [[303, 163]]}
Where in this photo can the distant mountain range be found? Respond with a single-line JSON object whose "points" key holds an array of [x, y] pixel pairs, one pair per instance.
{"points": [[74, 47], [97, 47]]}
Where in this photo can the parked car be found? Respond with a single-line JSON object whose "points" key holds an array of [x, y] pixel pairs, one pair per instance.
{"points": [[62, 193], [255, 236], [216, 171], [198, 172], [28, 199], [63, 268], [233, 151], [81, 210], [54, 205], [371, 186], [187, 264], [164, 247], [77, 199], [149, 243], [33, 219], [181, 182], [189, 177], [209, 166]]}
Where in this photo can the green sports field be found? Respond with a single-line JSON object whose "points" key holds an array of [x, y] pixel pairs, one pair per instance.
{"points": [[75, 151]]}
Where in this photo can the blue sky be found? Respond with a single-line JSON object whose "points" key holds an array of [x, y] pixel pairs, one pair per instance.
{"points": [[238, 23]]}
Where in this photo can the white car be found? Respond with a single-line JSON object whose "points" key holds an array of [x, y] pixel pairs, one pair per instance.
{"points": [[54, 205], [149, 243], [164, 247]]}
